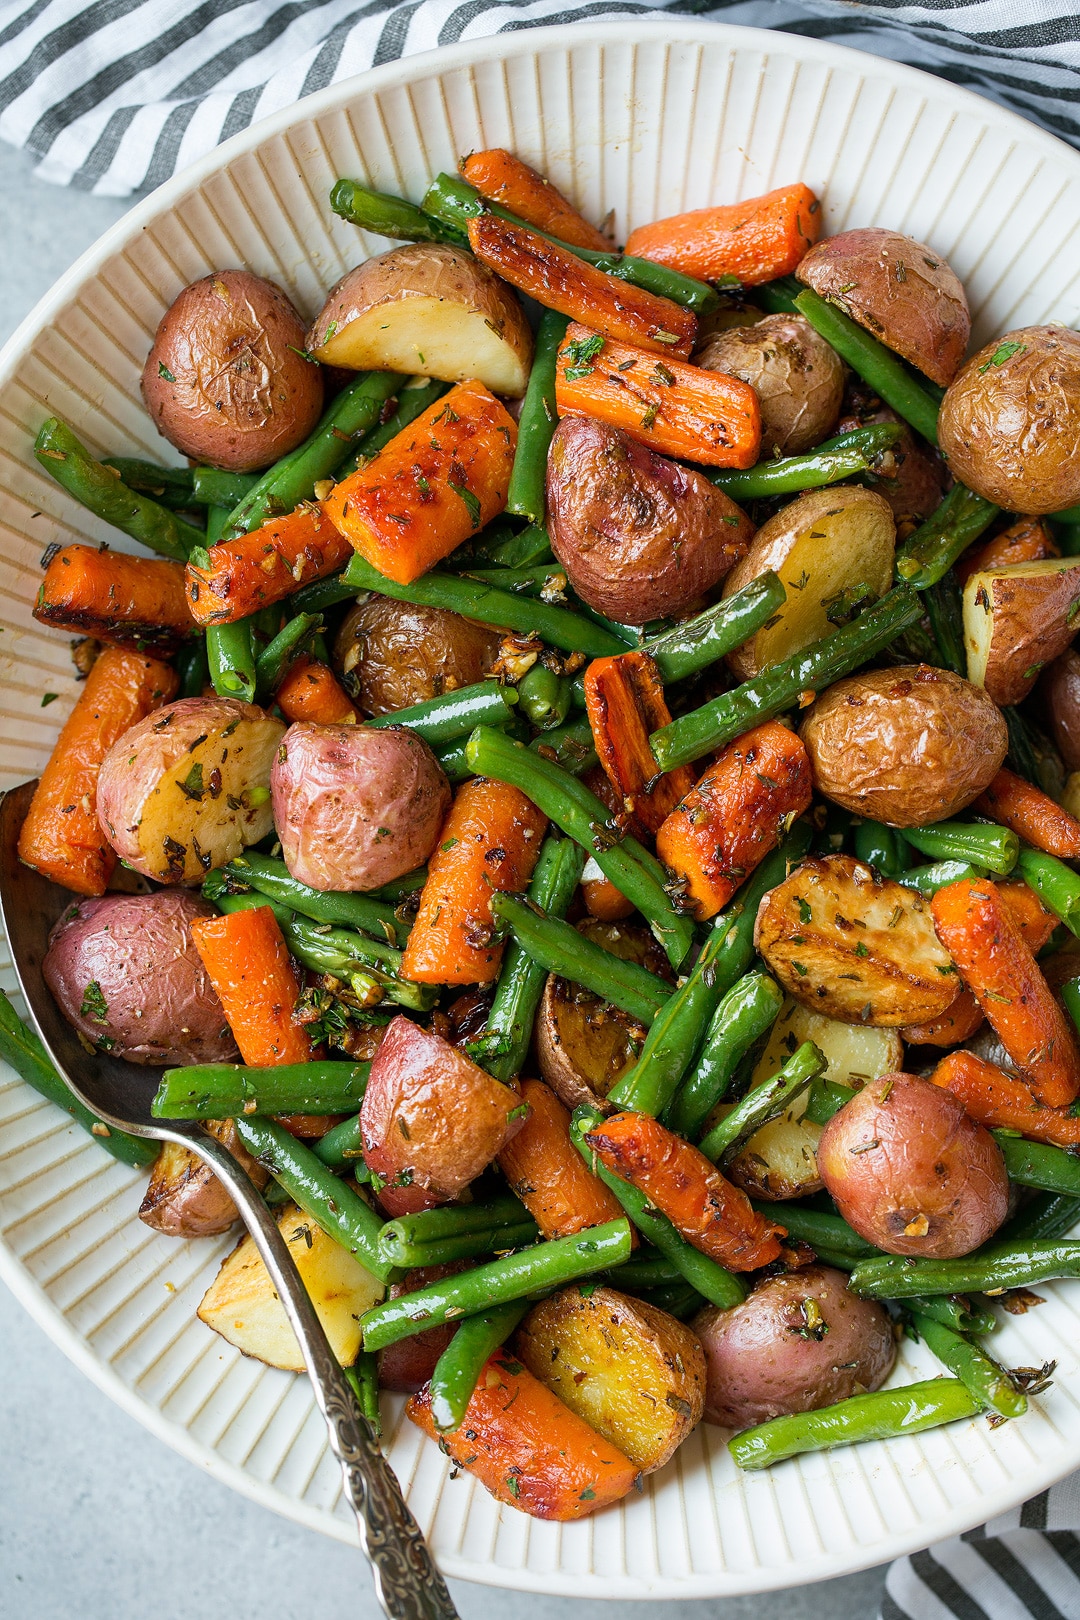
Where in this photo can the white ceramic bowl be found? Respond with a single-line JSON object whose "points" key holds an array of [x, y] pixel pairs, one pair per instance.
{"points": [[646, 117]]}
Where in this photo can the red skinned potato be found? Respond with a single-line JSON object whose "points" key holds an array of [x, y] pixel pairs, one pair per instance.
{"points": [[125, 973], [184, 1198], [798, 378], [911, 1172], [356, 808], [640, 537], [796, 1342], [431, 1118], [390, 654], [1061, 695], [406, 1366], [226, 380]]}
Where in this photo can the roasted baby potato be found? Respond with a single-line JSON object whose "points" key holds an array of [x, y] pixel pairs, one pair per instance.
{"points": [[900, 290], [910, 476], [406, 1366], [905, 746], [184, 1198], [227, 380], [833, 549], [1017, 619], [854, 945], [188, 788], [356, 808], [798, 378], [243, 1306], [430, 310], [635, 1374], [640, 536], [796, 1343], [393, 654], [1061, 694], [912, 1174], [1009, 426]]}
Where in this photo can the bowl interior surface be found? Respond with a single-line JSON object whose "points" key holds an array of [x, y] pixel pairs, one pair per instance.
{"points": [[646, 118]]}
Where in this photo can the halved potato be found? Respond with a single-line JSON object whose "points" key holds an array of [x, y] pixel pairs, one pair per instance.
{"points": [[1018, 619], [243, 1306], [184, 1198], [635, 1374], [832, 548], [431, 310]]}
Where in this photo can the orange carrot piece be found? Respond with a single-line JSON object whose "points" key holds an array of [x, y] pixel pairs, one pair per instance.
{"points": [[1027, 911], [61, 837], [555, 278], [958, 1023], [714, 1216], [249, 965], [736, 814], [604, 901], [1026, 540], [1031, 814], [136, 602], [548, 1174], [489, 845], [754, 241], [433, 486], [999, 1101], [504, 179], [625, 703], [527, 1448], [679, 409], [258, 569], [975, 926], [311, 691]]}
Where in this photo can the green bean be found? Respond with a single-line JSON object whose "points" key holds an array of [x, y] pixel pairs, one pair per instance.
{"points": [[408, 1240], [881, 1416], [1048, 1216], [954, 1311], [820, 1230], [103, 492], [778, 297], [271, 877], [544, 697], [706, 638], [497, 1282], [881, 847], [338, 951], [556, 947], [455, 765], [274, 659], [169, 486], [929, 879], [991, 1269], [467, 1245], [230, 654], [765, 1101], [782, 687], [652, 1271], [570, 745], [193, 668], [1057, 885], [979, 844], [676, 1299], [524, 550], [936, 544], [843, 457], [748, 1011], [873, 362], [986, 1381], [363, 1380], [220, 1090], [944, 609], [826, 1098], [461, 1363], [216, 519], [342, 1148], [546, 580], [1038, 1164], [399, 889], [327, 1199], [536, 424], [416, 394], [210, 486], [386, 215], [453, 715]]}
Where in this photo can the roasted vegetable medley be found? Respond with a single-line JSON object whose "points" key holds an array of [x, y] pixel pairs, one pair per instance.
{"points": [[594, 768]]}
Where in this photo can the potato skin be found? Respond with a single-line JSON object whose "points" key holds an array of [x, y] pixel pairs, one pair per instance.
{"points": [[899, 289], [154, 1001], [393, 654], [905, 746], [222, 382], [640, 537], [798, 378], [184, 1198], [1009, 426], [764, 1357], [356, 808], [406, 1366], [1061, 695], [912, 1173]]}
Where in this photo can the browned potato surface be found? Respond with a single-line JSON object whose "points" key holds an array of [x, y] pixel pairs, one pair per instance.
{"points": [[227, 380], [1061, 693], [184, 1198], [1017, 619], [393, 654], [910, 476], [635, 1374], [798, 378], [905, 746], [900, 290], [911, 1171]]}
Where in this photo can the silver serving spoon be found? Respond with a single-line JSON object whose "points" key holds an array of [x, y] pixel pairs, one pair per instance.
{"points": [[407, 1583]]}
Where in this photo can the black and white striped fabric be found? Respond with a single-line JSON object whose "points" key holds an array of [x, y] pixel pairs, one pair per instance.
{"points": [[113, 96]]}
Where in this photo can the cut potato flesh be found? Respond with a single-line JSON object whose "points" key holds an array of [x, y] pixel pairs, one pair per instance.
{"points": [[1017, 619], [431, 337]]}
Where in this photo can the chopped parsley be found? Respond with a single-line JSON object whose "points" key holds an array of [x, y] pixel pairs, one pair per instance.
{"points": [[580, 352], [163, 371], [94, 1004], [1003, 352]]}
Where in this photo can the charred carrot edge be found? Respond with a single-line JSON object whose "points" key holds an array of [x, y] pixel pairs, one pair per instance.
{"points": [[736, 814], [490, 844], [974, 925], [311, 691], [558, 280], [750, 242], [1027, 911], [136, 602], [549, 1175], [958, 1023], [999, 1101], [710, 1213], [504, 179], [625, 703], [1026, 540], [434, 485], [681, 410], [527, 1448], [604, 901], [1031, 814], [263, 567], [249, 966], [61, 837]]}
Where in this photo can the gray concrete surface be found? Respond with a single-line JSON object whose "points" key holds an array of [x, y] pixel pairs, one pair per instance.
{"points": [[97, 1518]]}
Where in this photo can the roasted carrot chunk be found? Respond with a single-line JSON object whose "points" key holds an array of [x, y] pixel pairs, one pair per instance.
{"points": [[958, 1023], [249, 966], [1027, 911], [1031, 814], [136, 602], [998, 1100], [61, 837], [311, 691], [263, 567], [604, 901], [1026, 540], [625, 702], [504, 179], [548, 1174], [752, 241]]}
